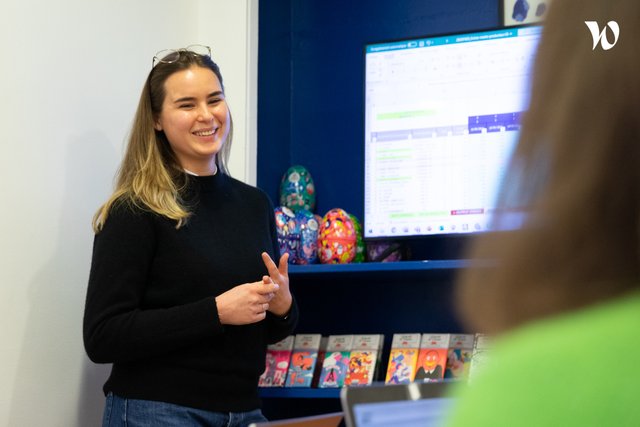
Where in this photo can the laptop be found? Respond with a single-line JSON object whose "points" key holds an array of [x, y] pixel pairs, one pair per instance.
{"points": [[325, 420], [406, 405]]}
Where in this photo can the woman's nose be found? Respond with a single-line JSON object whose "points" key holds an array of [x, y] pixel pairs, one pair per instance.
{"points": [[204, 114]]}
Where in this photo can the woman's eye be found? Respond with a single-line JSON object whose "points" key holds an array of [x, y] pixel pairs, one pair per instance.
{"points": [[186, 106], [214, 101]]}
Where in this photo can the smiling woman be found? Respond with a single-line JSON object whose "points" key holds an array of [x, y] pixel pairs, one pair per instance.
{"points": [[184, 295], [195, 118]]}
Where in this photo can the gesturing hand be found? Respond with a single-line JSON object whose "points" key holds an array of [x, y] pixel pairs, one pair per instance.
{"points": [[281, 302], [247, 303]]}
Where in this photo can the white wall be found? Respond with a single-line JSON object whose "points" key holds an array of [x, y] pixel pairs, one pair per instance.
{"points": [[234, 45], [71, 73]]}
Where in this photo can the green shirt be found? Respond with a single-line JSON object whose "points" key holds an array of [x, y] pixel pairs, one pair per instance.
{"points": [[579, 369]]}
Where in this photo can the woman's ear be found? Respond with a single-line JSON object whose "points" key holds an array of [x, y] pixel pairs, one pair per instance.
{"points": [[157, 125]]}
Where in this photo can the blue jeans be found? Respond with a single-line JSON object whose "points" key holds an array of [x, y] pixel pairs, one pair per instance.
{"points": [[120, 412]]}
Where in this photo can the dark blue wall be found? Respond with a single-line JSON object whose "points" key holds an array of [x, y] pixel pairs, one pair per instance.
{"points": [[310, 109], [310, 82]]}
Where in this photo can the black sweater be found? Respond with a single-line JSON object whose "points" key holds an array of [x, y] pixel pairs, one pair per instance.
{"points": [[150, 307]]}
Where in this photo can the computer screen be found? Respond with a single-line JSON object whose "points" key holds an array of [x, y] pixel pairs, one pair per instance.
{"points": [[442, 116], [414, 404], [408, 413]]}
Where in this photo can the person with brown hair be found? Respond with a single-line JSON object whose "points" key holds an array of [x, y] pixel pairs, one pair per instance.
{"points": [[183, 293], [561, 293]]}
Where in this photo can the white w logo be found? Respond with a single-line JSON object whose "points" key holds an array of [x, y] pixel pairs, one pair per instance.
{"points": [[602, 36]]}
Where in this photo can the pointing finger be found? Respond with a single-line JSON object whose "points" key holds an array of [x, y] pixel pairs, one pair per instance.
{"points": [[283, 266], [268, 262]]}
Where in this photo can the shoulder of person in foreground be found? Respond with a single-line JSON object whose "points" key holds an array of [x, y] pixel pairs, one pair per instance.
{"points": [[578, 368]]}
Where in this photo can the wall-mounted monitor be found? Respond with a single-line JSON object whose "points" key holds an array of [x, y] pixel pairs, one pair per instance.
{"points": [[442, 116]]}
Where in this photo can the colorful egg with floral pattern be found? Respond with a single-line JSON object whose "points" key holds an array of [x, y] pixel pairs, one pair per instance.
{"points": [[336, 238], [308, 228], [297, 190], [287, 231], [360, 247]]}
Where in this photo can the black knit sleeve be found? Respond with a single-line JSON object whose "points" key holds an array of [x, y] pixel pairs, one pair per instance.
{"points": [[279, 328], [115, 328]]}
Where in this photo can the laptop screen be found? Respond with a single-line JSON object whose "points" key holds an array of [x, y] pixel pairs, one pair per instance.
{"points": [[407, 405], [325, 420], [408, 413]]}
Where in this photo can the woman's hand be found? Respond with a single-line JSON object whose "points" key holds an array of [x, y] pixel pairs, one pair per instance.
{"points": [[281, 302], [247, 303]]}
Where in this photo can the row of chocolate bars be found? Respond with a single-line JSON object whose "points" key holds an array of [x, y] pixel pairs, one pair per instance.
{"points": [[311, 360]]}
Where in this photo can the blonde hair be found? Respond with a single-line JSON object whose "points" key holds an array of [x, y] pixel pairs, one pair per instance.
{"points": [[150, 176], [575, 175]]}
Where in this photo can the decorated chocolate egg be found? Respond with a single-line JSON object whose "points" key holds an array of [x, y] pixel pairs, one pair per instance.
{"points": [[287, 231], [336, 238], [297, 190], [360, 247], [308, 229]]}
